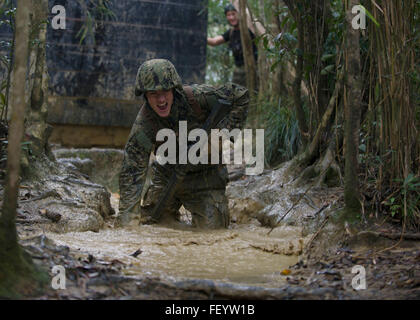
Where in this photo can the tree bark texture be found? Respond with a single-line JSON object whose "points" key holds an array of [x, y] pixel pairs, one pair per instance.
{"points": [[352, 106], [250, 66], [298, 13], [36, 128], [312, 151], [8, 232]]}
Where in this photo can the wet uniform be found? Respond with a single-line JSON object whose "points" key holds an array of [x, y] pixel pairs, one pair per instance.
{"points": [[202, 191]]}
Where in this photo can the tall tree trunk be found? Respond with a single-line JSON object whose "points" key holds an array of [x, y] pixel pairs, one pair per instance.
{"points": [[16, 128], [352, 106], [298, 80], [297, 12], [282, 73], [36, 127], [18, 275], [250, 66]]}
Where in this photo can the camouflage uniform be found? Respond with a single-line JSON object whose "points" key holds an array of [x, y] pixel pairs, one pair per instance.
{"points": [[202, 191]]}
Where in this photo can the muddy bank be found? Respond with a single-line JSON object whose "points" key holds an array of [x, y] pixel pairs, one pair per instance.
{"points": [[64, 203], [390, 272], [274, 198]]}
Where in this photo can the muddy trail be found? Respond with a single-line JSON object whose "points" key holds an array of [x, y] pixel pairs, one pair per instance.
{"points": [[67, 219]]}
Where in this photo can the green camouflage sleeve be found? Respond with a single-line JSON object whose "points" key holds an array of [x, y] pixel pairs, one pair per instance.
{"points": [[134, 168], [237, 95]]}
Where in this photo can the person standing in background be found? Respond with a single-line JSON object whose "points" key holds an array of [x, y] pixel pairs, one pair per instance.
{"points": [[233, 38]]}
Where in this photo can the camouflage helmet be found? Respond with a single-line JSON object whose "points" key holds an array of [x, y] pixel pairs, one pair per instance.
{"points": [[157, 74]]}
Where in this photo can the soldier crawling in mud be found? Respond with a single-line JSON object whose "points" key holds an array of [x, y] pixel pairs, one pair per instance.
{"points": [[167, 102]]}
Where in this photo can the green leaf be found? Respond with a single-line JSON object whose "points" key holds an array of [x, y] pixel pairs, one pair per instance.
{"points": [[327, 69], [326, 57], [289, 37], [370, 15], [274, 65], [377, 91], [265, 42], [409, 178], [3, 99]]}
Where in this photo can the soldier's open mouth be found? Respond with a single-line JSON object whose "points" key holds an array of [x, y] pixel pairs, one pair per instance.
{"points": [[163, 107]]}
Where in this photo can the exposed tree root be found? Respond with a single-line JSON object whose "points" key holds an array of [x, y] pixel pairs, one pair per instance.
{"points": [[324, 171], [47, 194]]}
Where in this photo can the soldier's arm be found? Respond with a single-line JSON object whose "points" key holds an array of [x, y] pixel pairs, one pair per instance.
{"points": [[236, 95], [239, 98], [134, 169]]}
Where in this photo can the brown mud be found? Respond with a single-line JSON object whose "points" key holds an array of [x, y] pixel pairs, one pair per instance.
{"points": [[156, 262]]}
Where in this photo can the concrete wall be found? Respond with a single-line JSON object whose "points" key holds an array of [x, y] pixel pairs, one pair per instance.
{"points": [[92, 84]]}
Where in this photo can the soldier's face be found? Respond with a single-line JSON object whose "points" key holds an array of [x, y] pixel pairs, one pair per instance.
{"points": [[232, 18], [161, 101]]}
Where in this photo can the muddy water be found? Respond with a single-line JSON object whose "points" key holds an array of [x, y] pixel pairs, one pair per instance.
{"points": [[243, 255]]}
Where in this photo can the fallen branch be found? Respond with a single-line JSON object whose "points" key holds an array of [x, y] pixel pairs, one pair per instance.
{"points": [[236, 175], [31, 221], [319, 230], [290, 209], [393, 235], [47, 194]]}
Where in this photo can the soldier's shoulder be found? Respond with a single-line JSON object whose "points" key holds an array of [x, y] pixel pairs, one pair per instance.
{"points": [[199, 89], [224, 89], [145, 115], [227, 91], [145, 121]]}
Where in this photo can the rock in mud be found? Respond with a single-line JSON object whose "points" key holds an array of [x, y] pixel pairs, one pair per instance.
{"points": [[84, 166], [69, 201], [269, 196], [102, 166]]}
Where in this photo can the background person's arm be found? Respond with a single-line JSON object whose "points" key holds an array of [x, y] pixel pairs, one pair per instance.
{"points": [[215, 41]]}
